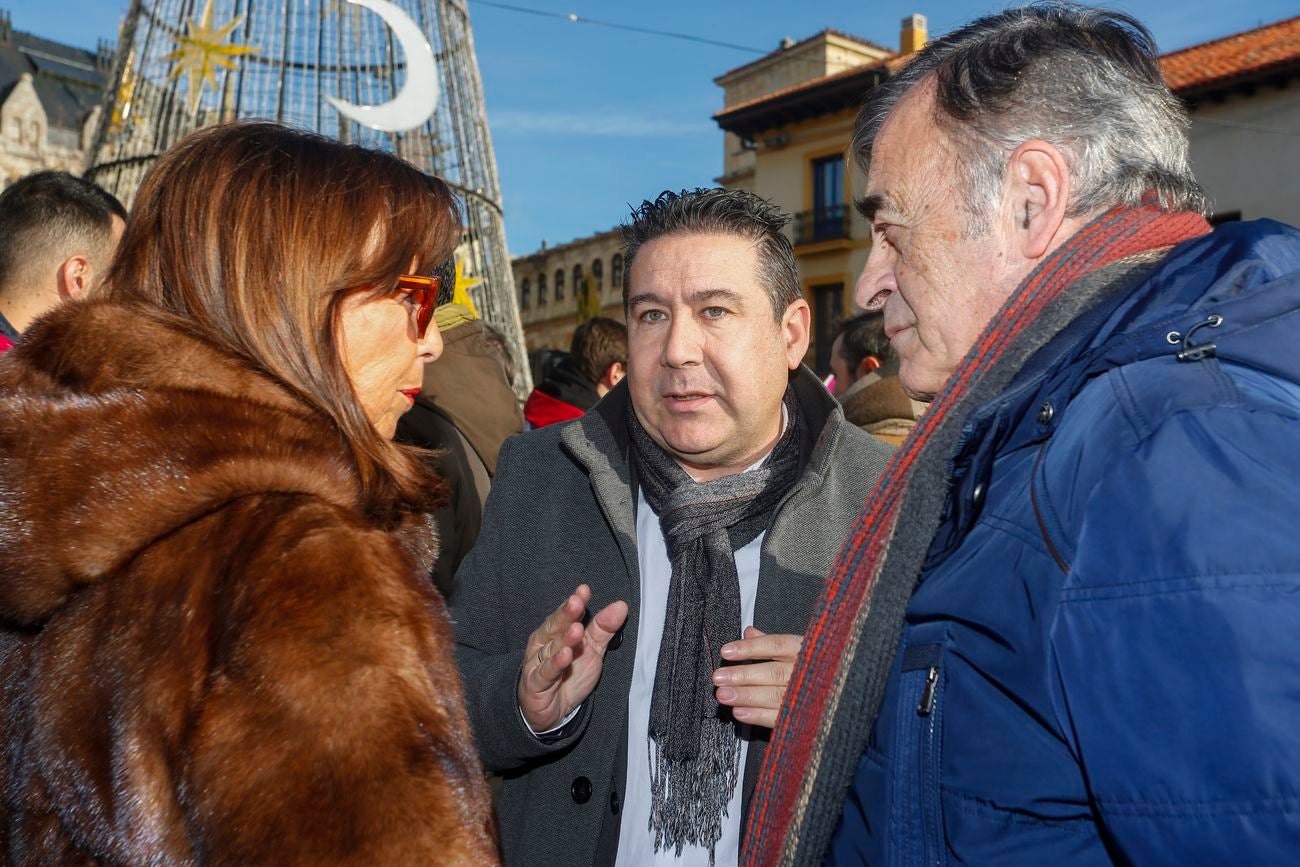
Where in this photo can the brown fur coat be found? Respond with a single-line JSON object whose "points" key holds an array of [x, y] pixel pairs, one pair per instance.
{"points": [[207, 654]]}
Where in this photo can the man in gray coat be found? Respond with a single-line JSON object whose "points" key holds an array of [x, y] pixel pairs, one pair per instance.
{"points": [[700, 505]]}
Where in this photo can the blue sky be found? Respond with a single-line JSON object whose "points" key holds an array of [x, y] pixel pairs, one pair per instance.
{"points": [[587, 119]]}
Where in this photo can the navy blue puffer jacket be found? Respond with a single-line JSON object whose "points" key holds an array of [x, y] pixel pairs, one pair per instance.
{"points": [[1101, 664]]}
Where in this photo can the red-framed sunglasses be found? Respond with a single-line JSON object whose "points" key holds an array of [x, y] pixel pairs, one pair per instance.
{"points": [[427, 295]]}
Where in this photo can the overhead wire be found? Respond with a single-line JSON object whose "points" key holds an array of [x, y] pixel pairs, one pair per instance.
{"points": [[574, 18]]}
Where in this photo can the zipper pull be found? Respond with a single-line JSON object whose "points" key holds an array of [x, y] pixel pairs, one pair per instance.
{"points": [[927, 696]]}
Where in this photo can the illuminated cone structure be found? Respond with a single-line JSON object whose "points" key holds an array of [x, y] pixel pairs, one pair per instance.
{"points": [[397, 75]]}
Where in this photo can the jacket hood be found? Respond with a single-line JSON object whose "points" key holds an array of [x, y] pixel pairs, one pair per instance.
{"points": [[1235, 289], [118, 426], [469, 386], [883, 399], [569, 384], [1243, 276]]}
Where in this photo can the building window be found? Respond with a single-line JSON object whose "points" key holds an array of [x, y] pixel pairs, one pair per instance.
{"points": [[828, 307], [598, 276], [829, 218], [577, 279], [616, 273], [559, 285], [526, 295], [828, 182], [541, 290]]}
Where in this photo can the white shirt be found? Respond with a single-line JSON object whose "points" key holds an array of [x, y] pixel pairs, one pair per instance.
{"points": [[636, 842]]}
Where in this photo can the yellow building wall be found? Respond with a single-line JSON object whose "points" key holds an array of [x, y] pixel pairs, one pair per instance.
{"points": [[784, 175]]}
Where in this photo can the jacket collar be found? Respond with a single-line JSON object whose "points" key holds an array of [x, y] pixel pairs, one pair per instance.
{"points": [[1224, 273]]}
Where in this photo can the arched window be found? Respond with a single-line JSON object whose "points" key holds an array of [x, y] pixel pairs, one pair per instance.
{"points": [[541, 290], [526, 295], [598, 276], [559, 284], [577, 278], [616, 273]]}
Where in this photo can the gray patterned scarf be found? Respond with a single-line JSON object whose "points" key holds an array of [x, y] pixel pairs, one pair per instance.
{"points": [[694, 750]]}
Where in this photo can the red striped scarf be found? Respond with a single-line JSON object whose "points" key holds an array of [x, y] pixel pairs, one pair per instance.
{"points": [[848, 650]]}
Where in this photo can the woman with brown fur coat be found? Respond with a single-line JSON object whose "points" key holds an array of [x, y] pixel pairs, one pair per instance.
{"points": [[218, 643]]}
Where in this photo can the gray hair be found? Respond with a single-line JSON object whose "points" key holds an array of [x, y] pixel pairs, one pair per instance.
{"points": [[724, 212], [1085, 80]]}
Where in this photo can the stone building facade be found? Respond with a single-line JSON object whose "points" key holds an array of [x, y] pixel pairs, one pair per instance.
{"points": [[50, 96], [560, 286]]}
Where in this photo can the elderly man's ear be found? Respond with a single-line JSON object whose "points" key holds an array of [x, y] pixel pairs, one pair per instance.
{"points": [[1040, 193], [75, 277]]}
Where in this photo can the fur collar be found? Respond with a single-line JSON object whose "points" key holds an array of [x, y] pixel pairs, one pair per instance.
{"points": [[117, 426]]}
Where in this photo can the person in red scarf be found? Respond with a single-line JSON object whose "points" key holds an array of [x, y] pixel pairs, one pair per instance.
{"points": [[57, 236], [1063, 631]]}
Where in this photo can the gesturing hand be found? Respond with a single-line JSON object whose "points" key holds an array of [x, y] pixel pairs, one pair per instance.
{"points": [[563, 661], [754, 692]]}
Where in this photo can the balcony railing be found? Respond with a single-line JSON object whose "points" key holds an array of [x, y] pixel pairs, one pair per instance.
{"points": [[822, 224]]}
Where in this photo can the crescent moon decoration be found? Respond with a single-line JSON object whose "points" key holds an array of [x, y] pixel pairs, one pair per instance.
{"points": [[418, 99]]}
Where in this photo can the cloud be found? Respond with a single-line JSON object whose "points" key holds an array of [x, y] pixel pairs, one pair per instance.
{"points": [[594, 124]]}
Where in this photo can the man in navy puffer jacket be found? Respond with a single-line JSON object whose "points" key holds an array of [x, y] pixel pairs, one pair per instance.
{"points": [[1098, 655]]}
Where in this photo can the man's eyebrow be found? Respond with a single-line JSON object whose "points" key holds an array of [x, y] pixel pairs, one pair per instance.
{"points": [[644, 298], [700, 296], [703, 296], [869, 206]]}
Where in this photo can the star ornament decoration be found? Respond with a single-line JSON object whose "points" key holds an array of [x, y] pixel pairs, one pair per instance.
{"points": [[463, 285], [202, 50]]}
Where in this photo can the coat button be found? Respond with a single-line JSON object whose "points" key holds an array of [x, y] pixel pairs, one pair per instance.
{"points": [[617, 641], [581, 790], [1045, 413], [977, 495], [615, 804]]}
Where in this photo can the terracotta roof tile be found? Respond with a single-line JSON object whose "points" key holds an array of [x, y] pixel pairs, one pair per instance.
{"points": [[1233, 57]]}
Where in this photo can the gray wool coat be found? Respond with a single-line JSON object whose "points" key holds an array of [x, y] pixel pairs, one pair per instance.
{"points": [[561, 513]]}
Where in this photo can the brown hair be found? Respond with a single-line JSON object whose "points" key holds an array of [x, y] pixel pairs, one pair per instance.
{"points": [[598, 343], [254, 234]]}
